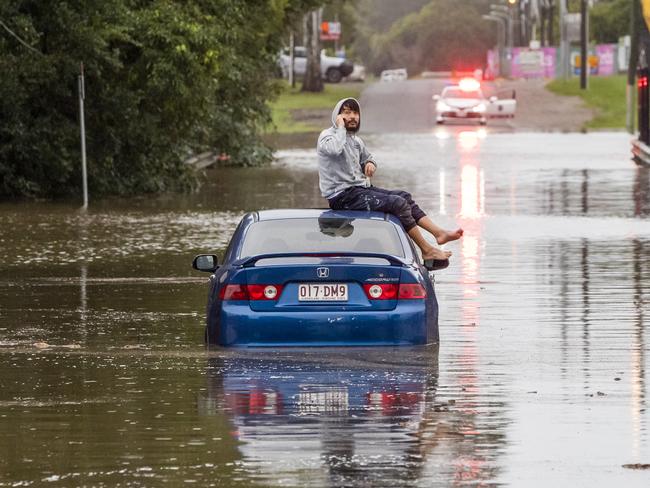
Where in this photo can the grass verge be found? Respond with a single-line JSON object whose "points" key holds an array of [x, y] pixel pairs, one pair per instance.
{"points": [[288, 111], [606, 94]]}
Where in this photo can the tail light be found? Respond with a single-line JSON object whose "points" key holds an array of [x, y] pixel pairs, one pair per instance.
{"points": [[381, 292], [250, 292], [264, 292], [234, 292], [412, 291], [405, 291]]}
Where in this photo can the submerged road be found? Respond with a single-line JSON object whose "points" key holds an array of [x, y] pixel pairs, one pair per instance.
{"points": [[540, 378]]}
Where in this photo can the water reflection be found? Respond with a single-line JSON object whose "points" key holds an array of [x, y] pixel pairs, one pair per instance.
{"points": [[641, 191], [601, 312], [638, 356], [349, 418]]}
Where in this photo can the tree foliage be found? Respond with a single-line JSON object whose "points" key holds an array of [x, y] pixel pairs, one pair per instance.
{"points": [[441, 35], [164, 78], [609, 20]]}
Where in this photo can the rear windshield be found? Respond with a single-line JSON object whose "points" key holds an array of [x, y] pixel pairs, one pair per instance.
{"points": [[327, 235]]}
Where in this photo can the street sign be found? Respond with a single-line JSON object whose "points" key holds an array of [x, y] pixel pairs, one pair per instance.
{"points": [[330, 31], [572, 27]]}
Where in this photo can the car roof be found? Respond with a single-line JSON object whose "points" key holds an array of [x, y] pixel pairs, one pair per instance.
{"points": [[314, 213]]}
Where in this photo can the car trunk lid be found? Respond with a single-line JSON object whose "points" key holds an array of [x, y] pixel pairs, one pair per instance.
{"points": [[324, 283]]}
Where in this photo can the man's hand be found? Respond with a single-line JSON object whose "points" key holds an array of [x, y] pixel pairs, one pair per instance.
{"points": [[370, 169], [340, 121]]}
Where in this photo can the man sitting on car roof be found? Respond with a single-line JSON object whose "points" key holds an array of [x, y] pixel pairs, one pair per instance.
{"points": [[345, 167]]}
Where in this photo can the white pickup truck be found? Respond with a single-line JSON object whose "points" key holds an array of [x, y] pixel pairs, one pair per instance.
{"points": [[332, 69]]}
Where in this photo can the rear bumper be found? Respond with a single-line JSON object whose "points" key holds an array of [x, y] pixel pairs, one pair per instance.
{"points": [[460, 115], [239, 326]]}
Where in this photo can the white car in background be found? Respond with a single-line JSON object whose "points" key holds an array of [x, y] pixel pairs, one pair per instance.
{"points": [[399, 74], [464, 101], [333, 69], [358, 74]]}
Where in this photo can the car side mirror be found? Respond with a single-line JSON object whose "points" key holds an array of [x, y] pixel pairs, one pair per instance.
{"points": [[436, 97], [435, 264], [205, 262], [492, 99]]}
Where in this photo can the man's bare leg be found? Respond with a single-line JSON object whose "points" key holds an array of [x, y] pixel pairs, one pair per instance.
{"points": [[439, 233], [428, 251]]}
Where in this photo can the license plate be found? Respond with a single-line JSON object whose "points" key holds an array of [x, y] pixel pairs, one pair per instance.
{"points": [[461, 113], [322, 292]]}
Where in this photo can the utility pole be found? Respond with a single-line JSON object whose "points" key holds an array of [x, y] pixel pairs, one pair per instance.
{"points": [[505, 14], [584, 41], [84, 172], [292, 60], [564, 42], [551, 17], [630, 92], [313, 80], [501, 40]]}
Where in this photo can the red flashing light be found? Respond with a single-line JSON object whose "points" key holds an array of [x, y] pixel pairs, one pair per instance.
{"points": [[469, 84]]}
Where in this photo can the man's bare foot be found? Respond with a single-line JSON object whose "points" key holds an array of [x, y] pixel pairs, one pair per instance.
{"points": [[436, 253], [447, 236]]}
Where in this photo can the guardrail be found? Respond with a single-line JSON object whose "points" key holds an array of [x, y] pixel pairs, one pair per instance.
{"points": [[206, 159]]}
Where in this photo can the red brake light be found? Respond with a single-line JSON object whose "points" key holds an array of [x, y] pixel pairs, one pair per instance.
{"points": [[234, 292], [412, 291], [264, 292], [380, 292], [250, 292]]}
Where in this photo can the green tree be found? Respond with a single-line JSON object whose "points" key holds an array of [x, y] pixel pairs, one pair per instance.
{"points": [[609, 20], [442, 35], [164, 78]]}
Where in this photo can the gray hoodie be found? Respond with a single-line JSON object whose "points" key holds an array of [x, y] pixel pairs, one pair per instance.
{"points": [[341, 157]]}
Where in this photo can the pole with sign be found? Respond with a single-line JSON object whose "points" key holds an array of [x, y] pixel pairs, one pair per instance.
{"points": [[330, 31]]}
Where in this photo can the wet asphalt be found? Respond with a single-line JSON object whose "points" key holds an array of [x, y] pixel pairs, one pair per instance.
{"points": [[539, 378]]}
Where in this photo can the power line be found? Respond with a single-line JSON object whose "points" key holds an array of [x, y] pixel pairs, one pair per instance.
{"points": [[18, 38]]}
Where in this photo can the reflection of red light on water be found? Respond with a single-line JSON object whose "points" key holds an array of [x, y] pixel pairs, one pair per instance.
{"points": [[469, 191], [392, 402], [472, 210], [254, 402], [469, 470], [467, 141]]}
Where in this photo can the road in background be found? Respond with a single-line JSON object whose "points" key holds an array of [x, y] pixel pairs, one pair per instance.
{"points": [[407, 106]]}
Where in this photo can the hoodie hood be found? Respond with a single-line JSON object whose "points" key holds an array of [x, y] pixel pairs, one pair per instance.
{"points": [[337, 109]]}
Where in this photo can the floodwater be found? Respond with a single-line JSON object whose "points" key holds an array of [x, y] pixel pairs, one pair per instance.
{"points": [[539, 378]]}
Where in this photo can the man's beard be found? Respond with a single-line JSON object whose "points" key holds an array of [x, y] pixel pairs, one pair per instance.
{"points": [[353, 128]]}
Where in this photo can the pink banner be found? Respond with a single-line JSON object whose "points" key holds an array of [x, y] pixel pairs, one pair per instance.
{"points": [[606, 53], [533, 63]]}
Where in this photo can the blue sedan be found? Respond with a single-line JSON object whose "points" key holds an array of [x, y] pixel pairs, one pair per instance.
{"points": [[320, 278]]}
